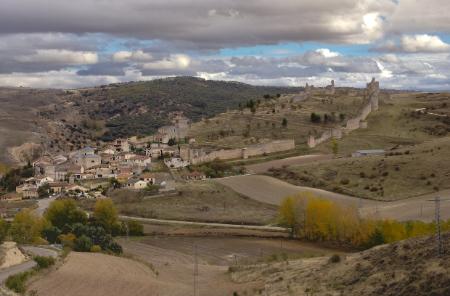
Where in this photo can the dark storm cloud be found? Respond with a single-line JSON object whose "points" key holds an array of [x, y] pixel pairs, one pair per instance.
{"points": [[204, 23]]}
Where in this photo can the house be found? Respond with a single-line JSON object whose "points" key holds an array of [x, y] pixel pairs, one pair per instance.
{"points": [[176, 162], [141, 160], [360, 153], [87, 160], [121, 145], [148, 177], [57, 187], [195, 175], [136, 184], [108, 150], [140, 142], [29, 192]]}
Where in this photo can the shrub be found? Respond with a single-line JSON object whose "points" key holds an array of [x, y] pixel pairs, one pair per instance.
{"points": [[335, 258], [17, 282], [96, 249], [345, 181], [134, 228], [115, 248], [67, 240], [51, 234], [83, 244], [44, 262]]}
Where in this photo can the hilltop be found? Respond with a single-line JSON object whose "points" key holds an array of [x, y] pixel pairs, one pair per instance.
{"points": [[139, 108]]}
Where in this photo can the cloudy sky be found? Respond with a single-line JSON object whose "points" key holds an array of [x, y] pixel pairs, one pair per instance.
{"points": [[65, 44]]}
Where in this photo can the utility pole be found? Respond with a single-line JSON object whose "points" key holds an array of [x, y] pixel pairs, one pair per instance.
{"points": [[437, 203], [437, 213], [196, 292]]}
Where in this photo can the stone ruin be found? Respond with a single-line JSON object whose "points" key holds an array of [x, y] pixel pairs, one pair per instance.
{"points": [[371, 94]]}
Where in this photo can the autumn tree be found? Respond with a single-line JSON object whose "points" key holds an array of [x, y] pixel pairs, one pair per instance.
{"points": [[105, 213], [64, 212], [27, 227]]}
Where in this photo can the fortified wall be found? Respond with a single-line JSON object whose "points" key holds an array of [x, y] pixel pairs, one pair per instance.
{"points": [[197, 156], [371, 94]]}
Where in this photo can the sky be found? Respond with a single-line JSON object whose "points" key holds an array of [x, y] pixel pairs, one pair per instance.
{"points": [[68, 44]]}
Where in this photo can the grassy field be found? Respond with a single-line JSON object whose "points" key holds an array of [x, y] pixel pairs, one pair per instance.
{"points": [[396, 123], [241, 128], [402, 173], [204, 201]]}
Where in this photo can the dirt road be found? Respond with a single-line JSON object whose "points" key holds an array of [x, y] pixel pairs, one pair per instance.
{"points": [[273, 191], [263, 167]]}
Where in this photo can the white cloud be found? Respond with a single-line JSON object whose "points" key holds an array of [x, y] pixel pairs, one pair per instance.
{"points": [[327, 53], [133, 56], [423, 43], [175, 61], [60, 56]]}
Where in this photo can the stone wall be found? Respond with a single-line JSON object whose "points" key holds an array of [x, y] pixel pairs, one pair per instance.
{"points": [[197, 156], [371, 93]]}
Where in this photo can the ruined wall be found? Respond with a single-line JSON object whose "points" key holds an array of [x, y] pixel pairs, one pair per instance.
{"points": [[197, 156], [372, 94]]}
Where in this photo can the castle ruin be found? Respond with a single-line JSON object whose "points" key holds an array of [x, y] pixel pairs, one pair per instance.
{"points": [[371, 94]]}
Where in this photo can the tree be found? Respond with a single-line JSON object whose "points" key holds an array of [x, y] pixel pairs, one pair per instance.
{"points": [[172, 142], [83, 244], [51, 234], [334, 146], [105, 213], [44, 190], [62, 213], [27, 227], [284, 122], [3, 230], [315, 118]]}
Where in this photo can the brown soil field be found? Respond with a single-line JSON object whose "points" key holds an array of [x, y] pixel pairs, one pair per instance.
{"points": [[273, 191], [164, 266]]}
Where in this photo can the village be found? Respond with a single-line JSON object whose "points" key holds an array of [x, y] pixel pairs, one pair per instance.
{"points": [[153, 162]]}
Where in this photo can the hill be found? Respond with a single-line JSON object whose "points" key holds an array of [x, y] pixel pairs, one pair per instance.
{"points": [[19, 119], [412, 128], [139, 108], [410, 267], [69, 119]]}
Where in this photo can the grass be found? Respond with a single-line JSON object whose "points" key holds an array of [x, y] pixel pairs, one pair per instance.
{"points": [[203, 201], [402, 173], [417, 153], [17, 282], [393, 125], [240, 129]]}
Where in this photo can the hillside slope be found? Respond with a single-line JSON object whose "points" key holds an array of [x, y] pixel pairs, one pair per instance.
{"points": [[141, 107], [410, 267]]}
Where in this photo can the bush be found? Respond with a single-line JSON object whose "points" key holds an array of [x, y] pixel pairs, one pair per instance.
{"points": [[44, 262], [96, 249], [83, 244], [51, 234], [115, 248], [17, 282], [67, 240], [345, 181], [135, 228], [335, 258]]}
